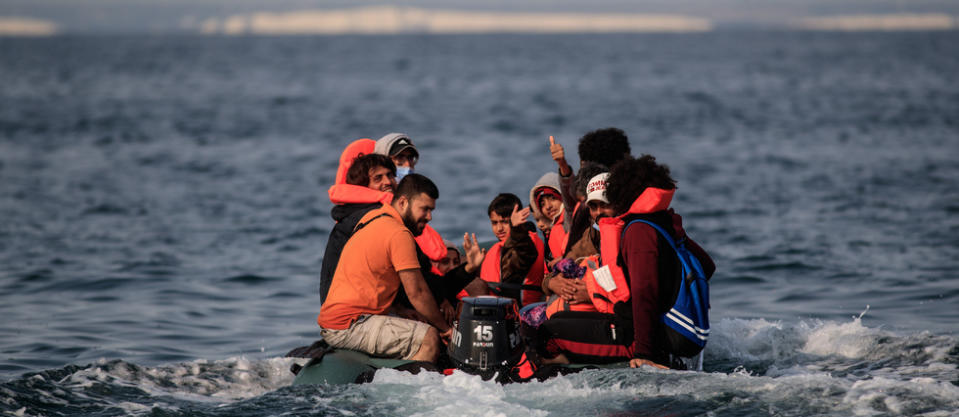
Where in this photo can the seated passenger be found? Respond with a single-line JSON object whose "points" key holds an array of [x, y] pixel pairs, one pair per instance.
{"points": [[450, 261], [628, 324], [515, 263], [377, 259], [365, 185], [547, 203], [543, 223], [399, 147]]}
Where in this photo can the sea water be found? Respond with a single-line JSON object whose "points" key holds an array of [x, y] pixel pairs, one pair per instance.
{"points": [[163, 211]]}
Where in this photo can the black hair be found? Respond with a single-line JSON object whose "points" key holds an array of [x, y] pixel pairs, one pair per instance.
{"points": [[359, 172], [605, 146], [412, 185], [630, 177], [503, 205], [586, 173]]}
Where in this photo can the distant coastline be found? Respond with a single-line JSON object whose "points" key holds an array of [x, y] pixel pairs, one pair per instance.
{"points": [[391, 20]]}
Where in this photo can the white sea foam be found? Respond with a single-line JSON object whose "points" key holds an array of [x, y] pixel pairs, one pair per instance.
{"points": [[458, 394], [850, 340], [198, 381], [812, 367], [753, 340], [920, 396]]}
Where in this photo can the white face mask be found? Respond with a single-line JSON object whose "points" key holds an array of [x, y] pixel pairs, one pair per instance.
{"points": [[402, 172]]}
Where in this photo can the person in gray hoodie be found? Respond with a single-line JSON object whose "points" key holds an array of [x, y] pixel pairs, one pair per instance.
{"points": [[546, 202]]}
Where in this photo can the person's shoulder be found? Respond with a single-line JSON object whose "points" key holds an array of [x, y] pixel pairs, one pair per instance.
{"points": [[638, 232]]}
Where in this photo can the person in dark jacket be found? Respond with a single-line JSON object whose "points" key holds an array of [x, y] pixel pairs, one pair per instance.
{"points": [[517, 259], [372, 176]]}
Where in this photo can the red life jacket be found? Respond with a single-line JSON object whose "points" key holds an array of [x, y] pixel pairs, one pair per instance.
{"points": [[491, 270]]}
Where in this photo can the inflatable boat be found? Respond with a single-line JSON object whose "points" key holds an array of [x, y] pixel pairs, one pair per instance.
{"points": [[486, 341]]}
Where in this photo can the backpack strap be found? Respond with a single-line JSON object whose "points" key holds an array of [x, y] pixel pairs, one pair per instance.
{"points": [[362, 225], [688, 267]]}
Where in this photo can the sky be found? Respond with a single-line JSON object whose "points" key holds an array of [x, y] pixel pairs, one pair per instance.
{"points": [[39, 17]]}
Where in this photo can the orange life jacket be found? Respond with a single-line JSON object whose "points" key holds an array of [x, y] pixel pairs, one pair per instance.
{"points": [[606, 282], [555, 303], [431, 243], [343, 193], [557, 237], [352, 151], [491, 270]]}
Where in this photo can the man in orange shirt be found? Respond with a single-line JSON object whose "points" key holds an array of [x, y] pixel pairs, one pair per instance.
{"points": [[379, 257]]}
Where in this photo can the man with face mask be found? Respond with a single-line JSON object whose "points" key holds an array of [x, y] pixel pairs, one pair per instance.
{"points": [[401, 150], [377, 261], [399, 147]]}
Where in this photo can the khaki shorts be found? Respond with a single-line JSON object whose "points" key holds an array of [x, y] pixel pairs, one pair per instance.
{"points": [[381, 336]]}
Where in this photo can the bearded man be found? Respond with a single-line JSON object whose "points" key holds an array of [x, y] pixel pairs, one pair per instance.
{"points": [[378, 258]]}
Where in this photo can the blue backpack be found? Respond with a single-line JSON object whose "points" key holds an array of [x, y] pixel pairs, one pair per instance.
{"points": [[687, 322]]}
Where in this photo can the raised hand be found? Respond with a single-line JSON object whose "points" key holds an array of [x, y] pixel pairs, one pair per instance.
{"points": [[519, 216], [559, 155], [474, 253]]}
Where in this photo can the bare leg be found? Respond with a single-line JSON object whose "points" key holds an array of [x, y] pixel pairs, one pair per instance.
{"points": [[430, 348]]}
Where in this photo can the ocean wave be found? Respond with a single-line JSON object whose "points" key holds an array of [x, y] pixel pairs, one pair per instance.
{"points": [[752, 366]]}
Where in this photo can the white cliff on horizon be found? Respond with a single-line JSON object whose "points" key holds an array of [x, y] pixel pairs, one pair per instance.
{"points": [[393, 20], [24, 26]]}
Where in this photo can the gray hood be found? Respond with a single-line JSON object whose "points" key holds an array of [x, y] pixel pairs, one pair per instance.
{"points": [[549, 179]]}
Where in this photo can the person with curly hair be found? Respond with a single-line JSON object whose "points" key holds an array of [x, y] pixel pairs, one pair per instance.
{"points": [[641, 188], [603, 147]]}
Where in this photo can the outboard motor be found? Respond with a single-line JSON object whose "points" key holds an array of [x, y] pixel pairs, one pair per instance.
{"points": [[486, 337]]}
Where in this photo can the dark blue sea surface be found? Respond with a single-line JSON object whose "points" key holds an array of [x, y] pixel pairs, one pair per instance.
{"points": [[163, 211]]}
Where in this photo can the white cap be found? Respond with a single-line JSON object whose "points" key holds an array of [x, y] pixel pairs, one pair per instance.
{"points": [[596, 188]]}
